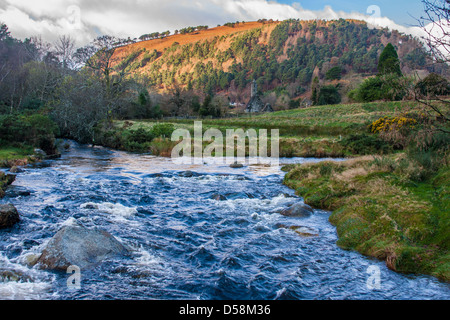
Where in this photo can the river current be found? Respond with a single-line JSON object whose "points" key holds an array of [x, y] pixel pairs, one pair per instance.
{"points": [[186, 242]]}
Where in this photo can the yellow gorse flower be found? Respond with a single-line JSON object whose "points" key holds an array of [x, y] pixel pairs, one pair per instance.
{"points": [[388, 124]]}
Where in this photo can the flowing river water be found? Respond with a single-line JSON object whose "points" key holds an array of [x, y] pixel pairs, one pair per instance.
{"points": [[185, 243]]}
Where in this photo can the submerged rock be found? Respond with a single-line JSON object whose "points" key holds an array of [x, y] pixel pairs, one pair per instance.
{"points": [[298, 210], [187, 174], [8, 275], [15, 169], [8, 216], [218, 197], [77, 245], [300, 230], [236, 165], [40, 153]]}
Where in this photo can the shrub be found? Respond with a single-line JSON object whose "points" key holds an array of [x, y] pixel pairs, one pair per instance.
{"points": [[328, 95], [366, 144], [140, 135], [163, 130], [433, 85], [386, 87], [390, 124]]}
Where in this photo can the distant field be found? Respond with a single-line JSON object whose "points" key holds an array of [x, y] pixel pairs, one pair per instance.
{"points": [[320, 122], [311, 132]]}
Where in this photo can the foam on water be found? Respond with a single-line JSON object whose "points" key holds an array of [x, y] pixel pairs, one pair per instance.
{"points": [[115, 209], [31, 284]]}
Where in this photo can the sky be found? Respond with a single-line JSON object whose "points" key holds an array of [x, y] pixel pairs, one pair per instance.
{"points": [[84, 20]]}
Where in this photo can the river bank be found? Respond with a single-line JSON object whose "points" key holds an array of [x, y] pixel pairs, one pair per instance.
{"points": [[379, 211]]}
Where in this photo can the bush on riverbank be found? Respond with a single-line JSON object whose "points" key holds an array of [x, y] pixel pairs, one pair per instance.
{"points": [[23, 131], [154, 139]]}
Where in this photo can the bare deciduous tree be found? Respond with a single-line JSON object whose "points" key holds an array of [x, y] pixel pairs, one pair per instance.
{"points": [[65, 48], [436, 24]]}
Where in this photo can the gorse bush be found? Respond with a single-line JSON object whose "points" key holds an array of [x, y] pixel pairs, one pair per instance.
{"points": [[389, 124]]}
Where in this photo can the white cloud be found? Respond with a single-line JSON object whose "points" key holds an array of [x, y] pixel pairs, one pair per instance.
{"points": [[52, 18]]}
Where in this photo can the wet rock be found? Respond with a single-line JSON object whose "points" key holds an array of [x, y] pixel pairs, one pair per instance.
{"points": [[40, 153], [300, 230], [9, 179], [30, 259], [8, 275], [8, 216], [218, 197], [27, 244], [15, 169], [145, 211], [298, 210], [186, 174], [239, 195], [53, 156], [77, 245], [236, 165], [305, 231], [14, 192]]}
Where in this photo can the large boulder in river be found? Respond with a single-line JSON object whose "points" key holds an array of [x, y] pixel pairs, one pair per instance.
{"points": [[298, 210], [79, 246], [8, 216]]}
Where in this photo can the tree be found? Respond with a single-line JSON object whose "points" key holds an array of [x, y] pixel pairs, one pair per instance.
{"points": [[389, 62], [65, 48], [436, 24], [80, 106], [99, 58], [4, 33], [328, 95], [315, 88], [334, 73]]}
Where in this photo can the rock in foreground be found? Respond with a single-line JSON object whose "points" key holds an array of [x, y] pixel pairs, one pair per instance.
{"points": [[298, 210], [77, 245], [8, 216]]}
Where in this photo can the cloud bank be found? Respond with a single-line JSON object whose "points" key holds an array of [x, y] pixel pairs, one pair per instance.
{"points": [[85, 19]]}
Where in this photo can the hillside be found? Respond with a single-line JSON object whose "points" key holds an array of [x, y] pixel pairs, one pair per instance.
{"points": [[285, 56]]}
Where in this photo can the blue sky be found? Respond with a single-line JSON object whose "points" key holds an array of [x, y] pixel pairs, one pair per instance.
{"points": [[399, 10]]}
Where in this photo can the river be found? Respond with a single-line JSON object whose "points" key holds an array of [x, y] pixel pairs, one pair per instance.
{"points": [[186, 245]]}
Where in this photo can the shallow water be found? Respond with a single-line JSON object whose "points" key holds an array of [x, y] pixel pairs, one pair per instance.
{"points": [[185, 244]]}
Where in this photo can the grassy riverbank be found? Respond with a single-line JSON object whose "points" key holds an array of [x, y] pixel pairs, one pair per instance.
{"points": [[381, 210], [15, 156]]}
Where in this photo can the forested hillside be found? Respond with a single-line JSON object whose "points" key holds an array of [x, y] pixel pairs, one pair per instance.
{"points": [[284, 55]]}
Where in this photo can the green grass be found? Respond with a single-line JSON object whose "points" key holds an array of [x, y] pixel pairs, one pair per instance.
{"points": [[380, 213], [311, 132], [8, 154]]}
